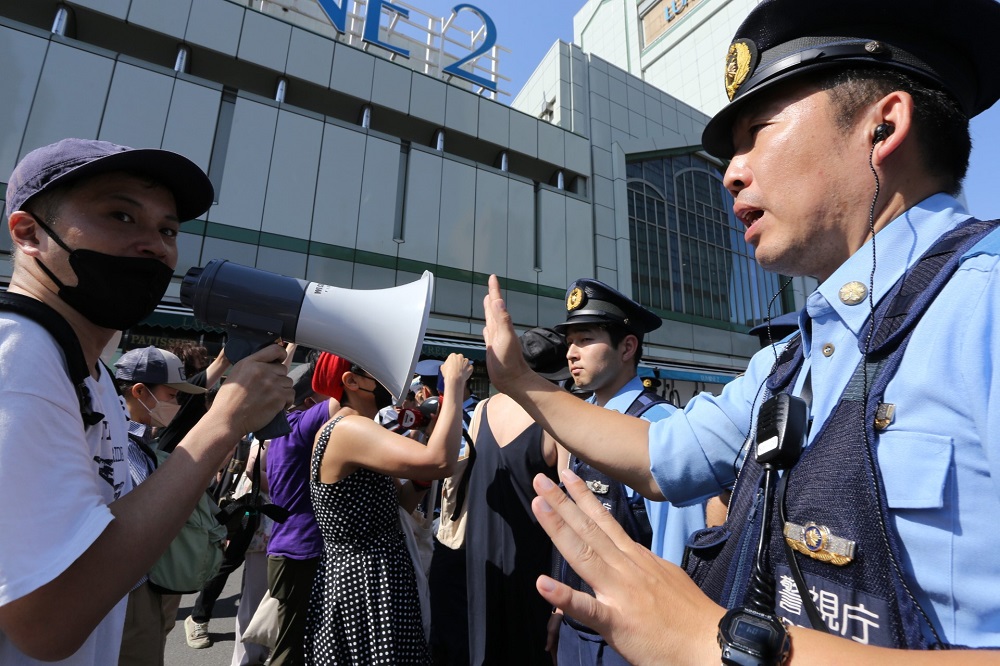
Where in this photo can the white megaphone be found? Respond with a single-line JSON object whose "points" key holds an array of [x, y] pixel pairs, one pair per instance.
{"points": [[381, 330]]}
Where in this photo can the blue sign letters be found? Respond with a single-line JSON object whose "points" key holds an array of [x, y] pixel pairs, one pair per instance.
{"points": [[674, 10], [338, 16], [373, 19]]}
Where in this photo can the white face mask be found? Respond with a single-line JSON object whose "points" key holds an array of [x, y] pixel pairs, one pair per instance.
{"points": [[162, 413]]}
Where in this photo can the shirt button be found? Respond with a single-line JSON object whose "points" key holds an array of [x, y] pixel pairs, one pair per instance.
{"points": [[828, 349]]}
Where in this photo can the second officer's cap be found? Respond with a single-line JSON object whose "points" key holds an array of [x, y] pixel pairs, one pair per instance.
{"points": [[593, 302]]}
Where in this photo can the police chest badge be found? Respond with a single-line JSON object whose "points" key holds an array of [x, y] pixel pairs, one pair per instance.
{"points": [[575, 299], [598, 488], [819, 543], [740, 62]]}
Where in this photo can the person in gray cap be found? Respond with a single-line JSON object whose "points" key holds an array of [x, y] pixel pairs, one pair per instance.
{"points": [[94, 231], [847, 137], [604, 332], [149, 379]]}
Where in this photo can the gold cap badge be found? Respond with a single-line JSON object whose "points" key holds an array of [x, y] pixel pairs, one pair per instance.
{"points": [[740, 61], [575, 299]]}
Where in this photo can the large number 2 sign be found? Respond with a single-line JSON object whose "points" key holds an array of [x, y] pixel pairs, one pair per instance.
{"points": [[338, 15], [491, 38]]}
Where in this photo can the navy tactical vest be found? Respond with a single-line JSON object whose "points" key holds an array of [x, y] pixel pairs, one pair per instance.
{"points": [[630, 513], [838, 486]]}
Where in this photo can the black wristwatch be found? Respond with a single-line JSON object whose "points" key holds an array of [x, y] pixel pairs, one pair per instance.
{"points": [[749, 638]]}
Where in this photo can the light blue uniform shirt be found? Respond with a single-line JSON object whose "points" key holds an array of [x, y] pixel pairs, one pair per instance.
{"points": [[671, 525], [940, 456]]}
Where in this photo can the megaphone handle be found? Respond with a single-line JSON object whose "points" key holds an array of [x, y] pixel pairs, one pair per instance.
{"points": [[239, 346], [278, 427]]}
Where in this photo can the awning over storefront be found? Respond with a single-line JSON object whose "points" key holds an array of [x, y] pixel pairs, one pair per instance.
{"points": [[439, 347], [176, 316], [685, 375]]}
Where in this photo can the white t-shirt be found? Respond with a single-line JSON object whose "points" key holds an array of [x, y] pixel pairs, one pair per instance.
{"points": [[56, 480]]}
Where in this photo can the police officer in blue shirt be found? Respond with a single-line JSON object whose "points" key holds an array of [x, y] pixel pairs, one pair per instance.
{"points": [[604, 332], [847, 135]]}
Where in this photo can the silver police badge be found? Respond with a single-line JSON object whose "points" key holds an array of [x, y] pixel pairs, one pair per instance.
{"points": [[598, 488]]}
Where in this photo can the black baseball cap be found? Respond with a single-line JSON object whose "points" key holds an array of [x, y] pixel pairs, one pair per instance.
{"points": [[70, 160], [545, 351], [948, 46], [593, 302]]}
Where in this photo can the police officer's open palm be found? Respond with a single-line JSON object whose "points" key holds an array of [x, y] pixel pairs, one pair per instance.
{"points": [[504, 359]]}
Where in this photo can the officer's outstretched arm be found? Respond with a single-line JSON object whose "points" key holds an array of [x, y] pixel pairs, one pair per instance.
{"points": [[612, 442]]}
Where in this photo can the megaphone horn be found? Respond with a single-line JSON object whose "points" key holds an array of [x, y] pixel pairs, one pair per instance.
{"points": [[381, 330]]}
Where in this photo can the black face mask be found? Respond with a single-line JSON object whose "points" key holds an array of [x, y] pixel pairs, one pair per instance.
{"points": [[111, 292], [383, 398]]}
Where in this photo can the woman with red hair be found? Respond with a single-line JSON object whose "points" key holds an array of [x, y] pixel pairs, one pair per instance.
{"points": [[364, 607]]}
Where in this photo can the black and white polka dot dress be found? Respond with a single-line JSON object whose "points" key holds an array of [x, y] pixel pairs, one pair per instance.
{"points": [[364, 607]]}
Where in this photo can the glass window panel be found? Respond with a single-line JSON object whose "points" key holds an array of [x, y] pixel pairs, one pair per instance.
{"points": [[688, 250]]}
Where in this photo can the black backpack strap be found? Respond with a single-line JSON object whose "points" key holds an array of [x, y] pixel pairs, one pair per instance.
{"points": [[65, 336], [251, 503], [463, 484]]}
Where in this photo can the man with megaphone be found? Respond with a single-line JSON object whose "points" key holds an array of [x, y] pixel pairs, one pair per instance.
{"points": [[94, 231]]}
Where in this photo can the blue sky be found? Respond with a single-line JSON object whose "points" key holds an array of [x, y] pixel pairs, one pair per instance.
{"points": [[529, 28]]}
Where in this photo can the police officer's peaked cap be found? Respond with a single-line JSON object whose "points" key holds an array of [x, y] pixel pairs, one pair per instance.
{"points": [[593, 302], [951, 46]]}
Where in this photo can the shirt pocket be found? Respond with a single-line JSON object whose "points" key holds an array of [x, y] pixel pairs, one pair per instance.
{"points": [[915, 468]]}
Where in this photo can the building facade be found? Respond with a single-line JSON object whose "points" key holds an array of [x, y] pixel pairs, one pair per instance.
{"points": [[348, 166], [675, 45]]}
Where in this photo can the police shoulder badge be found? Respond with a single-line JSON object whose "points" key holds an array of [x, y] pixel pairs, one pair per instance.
{"points": [[575, 299], [740, 61]]}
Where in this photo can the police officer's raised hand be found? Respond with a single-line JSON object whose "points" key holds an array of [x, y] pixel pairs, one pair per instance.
{"points": [[504, 359]]}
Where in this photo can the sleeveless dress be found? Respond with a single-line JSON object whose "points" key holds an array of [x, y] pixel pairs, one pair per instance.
{"points": [[364, 607], [506, 550]]}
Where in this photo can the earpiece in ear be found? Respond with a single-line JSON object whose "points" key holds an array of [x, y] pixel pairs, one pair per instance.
{"points": [[882, 132]]}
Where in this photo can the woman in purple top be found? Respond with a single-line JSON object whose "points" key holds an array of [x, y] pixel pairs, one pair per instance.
{"points": [[295, 547]]}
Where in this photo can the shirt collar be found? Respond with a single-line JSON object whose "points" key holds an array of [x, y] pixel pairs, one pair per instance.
{"points": [[626, 394], [897, 247], [139, 430]]}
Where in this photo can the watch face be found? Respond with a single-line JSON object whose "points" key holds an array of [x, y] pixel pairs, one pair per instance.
{"points": [[753, 632], [750, 638]]}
